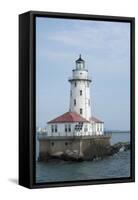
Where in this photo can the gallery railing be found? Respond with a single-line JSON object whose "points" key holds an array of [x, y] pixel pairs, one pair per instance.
{"points": [[80, 78], [45, 135]]}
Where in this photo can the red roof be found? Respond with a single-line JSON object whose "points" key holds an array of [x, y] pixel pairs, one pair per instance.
{"points": [[69, 117], [95, 120]]}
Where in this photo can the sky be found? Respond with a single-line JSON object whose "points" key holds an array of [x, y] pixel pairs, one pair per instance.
{"points": [[105, 47]]}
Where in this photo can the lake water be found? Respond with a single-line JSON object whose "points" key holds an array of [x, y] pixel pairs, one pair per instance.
{"points": [[115, 166]]}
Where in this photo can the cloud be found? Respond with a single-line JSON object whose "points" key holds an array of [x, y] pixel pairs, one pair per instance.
{"points": [[105, 36], [104, 41]]}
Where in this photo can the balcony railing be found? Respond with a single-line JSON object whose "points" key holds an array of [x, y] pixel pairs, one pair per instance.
{"points": [[75, 134], [88, 78]]}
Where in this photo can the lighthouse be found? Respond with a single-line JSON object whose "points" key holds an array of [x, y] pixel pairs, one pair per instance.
{"points": [[80, 101], [78, 121], [75, 134]]}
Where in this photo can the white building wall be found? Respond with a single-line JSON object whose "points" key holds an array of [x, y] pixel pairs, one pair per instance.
{"points": [[61, 129], [87, 129]]}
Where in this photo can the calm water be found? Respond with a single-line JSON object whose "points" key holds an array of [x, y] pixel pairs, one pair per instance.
{"points": [[111, 167]]}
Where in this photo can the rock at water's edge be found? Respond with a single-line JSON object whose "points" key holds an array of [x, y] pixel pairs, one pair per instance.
{"points": [[99, 153]]}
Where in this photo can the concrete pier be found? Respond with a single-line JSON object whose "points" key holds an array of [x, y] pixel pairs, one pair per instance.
{"points": [[73, 147]]}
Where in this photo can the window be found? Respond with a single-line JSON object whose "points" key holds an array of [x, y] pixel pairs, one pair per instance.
{"points": [[55, 128], [80, 92], [69, 128], [52, 128], [98, 127], [81, 111], [52, 143], [79, 126], [74, 102], [75, 84], [71, 93], [65, 127], [66, 143], [87, 84], [89, 102]]}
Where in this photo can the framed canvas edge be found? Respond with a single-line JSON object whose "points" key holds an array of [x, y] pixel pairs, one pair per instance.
{"points": [[31, 103], [24, 94]]}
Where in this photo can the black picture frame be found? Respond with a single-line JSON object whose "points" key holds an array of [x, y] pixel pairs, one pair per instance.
{"points": [[27, 101]]}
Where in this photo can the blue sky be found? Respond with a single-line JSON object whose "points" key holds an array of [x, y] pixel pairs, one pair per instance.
{"points": [[105, 47]]}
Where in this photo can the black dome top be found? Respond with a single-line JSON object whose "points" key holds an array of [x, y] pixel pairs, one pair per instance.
{"points": [[80, 59]]}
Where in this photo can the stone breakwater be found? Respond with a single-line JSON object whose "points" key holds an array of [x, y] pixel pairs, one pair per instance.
{"points": [[100, 152]]}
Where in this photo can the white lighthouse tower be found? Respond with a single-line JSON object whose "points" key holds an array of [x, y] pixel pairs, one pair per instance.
{"points": [[80, 101]]}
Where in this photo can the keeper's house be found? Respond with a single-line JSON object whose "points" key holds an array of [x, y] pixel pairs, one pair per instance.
{"points": [[73, 124]]}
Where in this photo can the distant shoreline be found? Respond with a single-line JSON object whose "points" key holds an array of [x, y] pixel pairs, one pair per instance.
{"points": [[114, 131]]}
